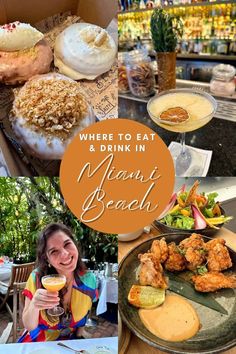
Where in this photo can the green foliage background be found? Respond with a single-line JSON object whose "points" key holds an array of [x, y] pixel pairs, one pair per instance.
{"points": [[166, 29], [28, 204]]}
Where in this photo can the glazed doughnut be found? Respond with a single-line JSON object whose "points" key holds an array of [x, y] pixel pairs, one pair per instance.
{"points": [[47, 113], [23, 53], [84, 51]]}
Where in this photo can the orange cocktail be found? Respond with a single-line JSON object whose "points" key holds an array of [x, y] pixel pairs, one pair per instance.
{"points": [[54, 283]]}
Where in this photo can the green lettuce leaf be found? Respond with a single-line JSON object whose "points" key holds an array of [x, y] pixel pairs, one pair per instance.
{"points": [[208, 212], [211, 199], [178, 221]]}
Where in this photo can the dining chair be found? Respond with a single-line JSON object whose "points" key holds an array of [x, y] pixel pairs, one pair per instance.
{"points": [[6, 333], [18, 307], [19, 275]]}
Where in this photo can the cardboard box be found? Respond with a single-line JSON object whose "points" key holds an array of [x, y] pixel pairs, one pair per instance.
{"points": [[99, 12]]}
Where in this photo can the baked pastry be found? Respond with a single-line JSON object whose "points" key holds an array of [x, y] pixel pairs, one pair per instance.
{"points": [[23, 53], [84, 51], [47, 113]]}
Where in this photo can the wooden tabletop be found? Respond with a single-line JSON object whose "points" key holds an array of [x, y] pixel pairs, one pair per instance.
{"points": [[136, 345]]}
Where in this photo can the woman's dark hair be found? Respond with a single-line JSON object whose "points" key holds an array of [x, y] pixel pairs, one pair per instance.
{"points": [[42, 262]]}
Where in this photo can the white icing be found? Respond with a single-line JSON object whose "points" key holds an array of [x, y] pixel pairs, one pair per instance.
{"points": [[23, 36], [36, 142], [66, 70], [83, 50]]}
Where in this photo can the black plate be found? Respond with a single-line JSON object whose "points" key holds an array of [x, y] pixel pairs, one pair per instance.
{"points": [[218, 332]]}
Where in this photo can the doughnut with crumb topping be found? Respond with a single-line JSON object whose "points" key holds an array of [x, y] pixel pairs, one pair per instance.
{"points": [[47, 113]]}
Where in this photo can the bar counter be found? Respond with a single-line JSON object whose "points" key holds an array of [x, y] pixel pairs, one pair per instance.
{"points": [[219, 135]]}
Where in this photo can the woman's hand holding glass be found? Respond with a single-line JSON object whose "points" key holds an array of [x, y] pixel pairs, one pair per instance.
{"points": [[44, 299]]}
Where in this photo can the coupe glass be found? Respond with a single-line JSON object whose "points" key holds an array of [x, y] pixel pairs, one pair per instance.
{"points": [[201, 108], [54, 282]]}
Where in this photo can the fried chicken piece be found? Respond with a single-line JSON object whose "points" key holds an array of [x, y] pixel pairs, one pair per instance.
{"points": [[175, 260], [213, 281], [160, 249], [151, 272], [218, 257], [194, 241], [194, 250]]}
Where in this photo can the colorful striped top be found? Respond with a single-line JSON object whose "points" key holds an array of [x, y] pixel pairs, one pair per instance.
{"points": [[84, 292]]}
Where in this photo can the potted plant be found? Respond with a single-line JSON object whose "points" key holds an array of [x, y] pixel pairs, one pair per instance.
{"points": [[166, 30]]}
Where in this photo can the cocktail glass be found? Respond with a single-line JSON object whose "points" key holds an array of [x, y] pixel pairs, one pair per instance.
{"points": [[54, 282], [200, 107]]}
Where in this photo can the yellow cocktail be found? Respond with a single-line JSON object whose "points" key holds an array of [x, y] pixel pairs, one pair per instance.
{"points": [[54, 282], [181, 111], [199, 106]]}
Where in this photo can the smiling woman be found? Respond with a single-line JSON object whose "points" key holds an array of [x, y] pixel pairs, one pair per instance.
{"points": [[57, 253]]}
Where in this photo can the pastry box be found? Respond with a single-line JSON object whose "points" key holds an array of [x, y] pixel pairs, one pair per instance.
{"points": [[51, 18]]}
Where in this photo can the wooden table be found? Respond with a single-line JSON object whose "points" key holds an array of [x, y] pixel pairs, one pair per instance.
{"points": [[136, 345]]}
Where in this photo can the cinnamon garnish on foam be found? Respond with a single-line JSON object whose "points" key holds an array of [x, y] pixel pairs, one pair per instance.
{"points": [[175, 115]]}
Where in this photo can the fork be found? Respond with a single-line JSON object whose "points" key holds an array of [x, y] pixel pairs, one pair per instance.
{"points": [[74, 350]]}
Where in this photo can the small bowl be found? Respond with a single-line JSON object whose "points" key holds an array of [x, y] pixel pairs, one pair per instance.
{"points": [[130, 236], [207, 231]]}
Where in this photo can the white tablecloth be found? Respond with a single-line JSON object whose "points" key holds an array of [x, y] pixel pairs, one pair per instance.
{"points": [[108, 293], [110, 345], [5, 274]]}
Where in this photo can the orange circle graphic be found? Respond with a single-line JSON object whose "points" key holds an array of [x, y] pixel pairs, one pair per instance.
{"points": [[117, 176]]}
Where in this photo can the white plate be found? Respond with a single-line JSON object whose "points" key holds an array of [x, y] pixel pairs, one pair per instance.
{"points": [[45, 350], [102, 349]]}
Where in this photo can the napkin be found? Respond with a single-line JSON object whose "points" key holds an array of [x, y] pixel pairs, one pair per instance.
{"points": [[201, 160]]}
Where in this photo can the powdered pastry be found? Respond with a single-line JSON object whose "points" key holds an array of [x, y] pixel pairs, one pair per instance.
{"points": [[84, 51]]}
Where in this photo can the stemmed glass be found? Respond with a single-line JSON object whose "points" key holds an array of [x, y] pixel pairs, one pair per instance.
{"points": [[200, 108], [54, 282]]}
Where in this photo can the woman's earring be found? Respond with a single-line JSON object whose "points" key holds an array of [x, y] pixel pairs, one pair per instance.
{"points": [[49, 265]]}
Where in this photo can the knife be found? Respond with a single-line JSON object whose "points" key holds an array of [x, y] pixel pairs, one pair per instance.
{"points": [[184, 288]]}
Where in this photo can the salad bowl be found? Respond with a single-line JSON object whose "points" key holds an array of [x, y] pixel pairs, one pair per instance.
{"points": [[192, 211], [207, 231]]}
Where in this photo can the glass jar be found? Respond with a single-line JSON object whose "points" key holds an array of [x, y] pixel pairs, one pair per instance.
{"points": [[123, 85], [222, 82], [140, 73]]}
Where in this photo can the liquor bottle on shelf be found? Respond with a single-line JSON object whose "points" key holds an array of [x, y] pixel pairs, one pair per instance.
{"points": [[135, 4], [128, 4], [142, 4], [123, 5], [207, 29], [149, 4], [213, 46], [222, 47], [157, 3]]}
